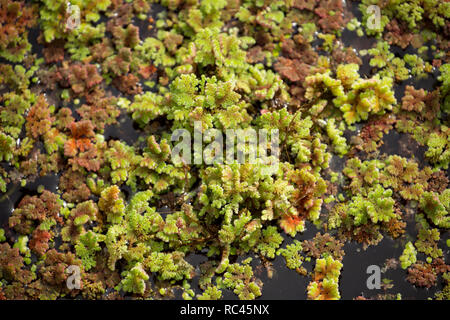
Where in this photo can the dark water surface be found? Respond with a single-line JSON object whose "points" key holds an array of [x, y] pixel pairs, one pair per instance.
{"points": [[285, 283]]}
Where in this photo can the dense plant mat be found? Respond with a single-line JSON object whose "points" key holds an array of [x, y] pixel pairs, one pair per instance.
{"points": [[94, 206]]}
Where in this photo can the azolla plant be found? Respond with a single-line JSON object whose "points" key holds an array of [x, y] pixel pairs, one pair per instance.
{"points": [[92, 92]]}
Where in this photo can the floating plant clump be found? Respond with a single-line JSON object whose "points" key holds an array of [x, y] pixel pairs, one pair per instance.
{"points": [[223, 149]]}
